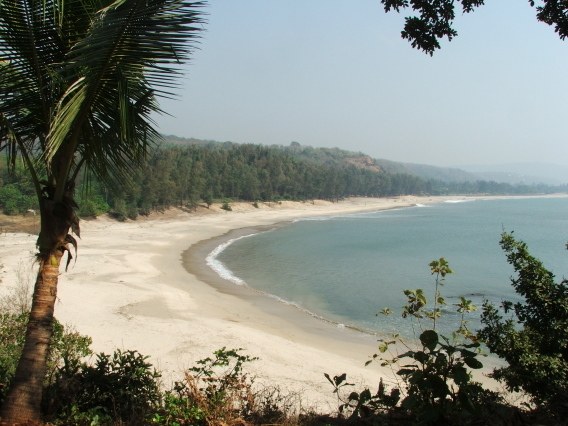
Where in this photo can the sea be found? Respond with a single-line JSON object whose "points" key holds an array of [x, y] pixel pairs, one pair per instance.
{"points": [[345, 269]]}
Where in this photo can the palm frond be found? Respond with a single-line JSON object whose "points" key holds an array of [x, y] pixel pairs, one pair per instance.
{"points": [[33, 48], [79, 79], [131, 55]]}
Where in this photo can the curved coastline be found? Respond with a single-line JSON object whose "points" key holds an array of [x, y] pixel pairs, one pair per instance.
{"points": [[316, 330], [283, 312], [222, 279], [311, 326]]}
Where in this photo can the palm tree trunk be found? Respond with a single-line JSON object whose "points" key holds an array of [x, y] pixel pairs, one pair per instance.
{"points": [[23, 403]]}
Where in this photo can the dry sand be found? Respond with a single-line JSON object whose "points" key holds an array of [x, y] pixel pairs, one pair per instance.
{"points": [[144, 285]]}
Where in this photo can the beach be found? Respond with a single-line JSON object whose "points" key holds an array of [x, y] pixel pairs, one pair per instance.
{"points": [[144, 285]]}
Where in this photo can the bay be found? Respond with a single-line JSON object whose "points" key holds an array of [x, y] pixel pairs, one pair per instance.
{"points": [[347, 268]]}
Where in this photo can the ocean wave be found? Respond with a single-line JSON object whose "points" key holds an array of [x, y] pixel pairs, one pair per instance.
{"points": [[318, 317], [314, 219], [458, 201], [420, 205], [367, 215], [294, 304], [219, 267]]}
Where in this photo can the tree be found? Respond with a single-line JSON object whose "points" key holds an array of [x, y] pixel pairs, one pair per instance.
{"points": [[79, 81], [533, 339], [435, 18]]}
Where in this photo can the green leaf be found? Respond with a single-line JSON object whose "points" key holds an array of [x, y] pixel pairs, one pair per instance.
{"points": [[365, 396], [441, 360], [429, 338], [468, 354], [438, 386], [473, 363], [353, 396], [421, 357], [339, 379], [460, 375], [408, 354]]}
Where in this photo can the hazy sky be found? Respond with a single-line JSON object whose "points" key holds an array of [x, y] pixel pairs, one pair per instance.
{"points": [[337, 74]]}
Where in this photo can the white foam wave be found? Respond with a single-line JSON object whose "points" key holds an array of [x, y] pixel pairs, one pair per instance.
{"points": [[297, 306], [420, 205], [458, 201], [219, 267], [313, 219]]}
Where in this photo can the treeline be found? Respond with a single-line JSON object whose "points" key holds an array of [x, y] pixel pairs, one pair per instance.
{"points": [[17, 194], [186, 174]]}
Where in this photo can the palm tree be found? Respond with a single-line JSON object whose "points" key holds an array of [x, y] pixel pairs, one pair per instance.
{"points": [[79, 81]]}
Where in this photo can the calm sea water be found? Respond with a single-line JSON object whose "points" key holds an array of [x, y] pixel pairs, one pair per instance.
{"points": [[347, 268]]}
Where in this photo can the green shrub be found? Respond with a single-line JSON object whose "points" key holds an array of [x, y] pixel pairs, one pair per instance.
{"points": [[14, 201], [215, 391], [119, 210], [226, 206], [207, 198], [531, 335], [123, 387], [67, 349], [12, 332], [437, 383], [132, 212], [92, 206]]}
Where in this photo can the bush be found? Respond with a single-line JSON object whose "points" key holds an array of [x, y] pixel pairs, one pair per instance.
{"points": [[207, 198], [226, 206], [215, 391], [533, 338], [92, 206], [123, 387], [12, 332], [67, 349], [438, 386], [14, 201], [132, 212]]}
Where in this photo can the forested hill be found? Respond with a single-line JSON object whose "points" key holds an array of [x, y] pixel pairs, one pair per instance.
{"points": [[338, 156], [187, 172]]}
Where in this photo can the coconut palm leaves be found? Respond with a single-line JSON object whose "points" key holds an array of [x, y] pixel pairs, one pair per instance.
{"points": [[82, 77], [79, 81]]}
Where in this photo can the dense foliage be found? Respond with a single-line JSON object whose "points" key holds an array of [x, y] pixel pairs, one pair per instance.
{"points": [[433, 20], [190, 172], [17, 193], [532, 335], [67, 349]]}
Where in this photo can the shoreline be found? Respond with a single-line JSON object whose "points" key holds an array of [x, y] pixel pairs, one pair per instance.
{"points": [[305, 322], [194, 260], [129, 289]]}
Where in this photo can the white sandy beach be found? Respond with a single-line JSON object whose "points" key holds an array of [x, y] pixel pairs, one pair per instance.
{"points": [[129, 289]]}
